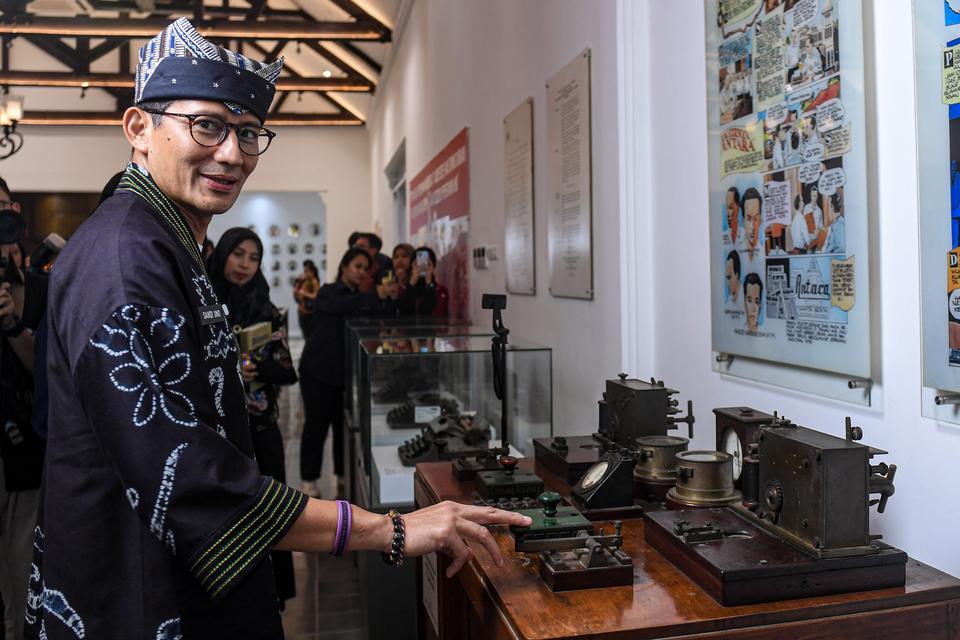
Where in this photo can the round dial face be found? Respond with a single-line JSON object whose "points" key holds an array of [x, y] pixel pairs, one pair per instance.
{"points": [[594, 474], [732, 445]]}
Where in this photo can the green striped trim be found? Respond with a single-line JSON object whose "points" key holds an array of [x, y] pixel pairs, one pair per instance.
{"points": [[223, 562], [135, 181]]}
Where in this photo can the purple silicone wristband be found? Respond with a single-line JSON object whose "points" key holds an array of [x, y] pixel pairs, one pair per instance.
{"points": [[346, 537], [339, 536]]}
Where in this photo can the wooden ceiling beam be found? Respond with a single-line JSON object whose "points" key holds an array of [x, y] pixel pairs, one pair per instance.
{"points": [[127, 81], [105, 47], [113, 118], [339, 62], [361, 54], [29, 25], [357, 12]]}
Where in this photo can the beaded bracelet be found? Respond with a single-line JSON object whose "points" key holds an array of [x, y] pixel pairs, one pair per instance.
{"points": [[395, 557], [344, 524]]}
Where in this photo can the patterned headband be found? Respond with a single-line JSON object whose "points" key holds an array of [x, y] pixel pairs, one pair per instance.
{"points": [[180, 64]]}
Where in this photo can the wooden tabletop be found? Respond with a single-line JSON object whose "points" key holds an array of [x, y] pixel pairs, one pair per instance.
{"points": [[662, 602]]}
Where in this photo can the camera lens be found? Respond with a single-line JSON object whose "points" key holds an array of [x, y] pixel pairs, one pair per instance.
{"points": [[12, 227]]}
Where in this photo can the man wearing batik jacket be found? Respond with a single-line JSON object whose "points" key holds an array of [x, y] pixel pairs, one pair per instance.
{"points": [[155, 522]]}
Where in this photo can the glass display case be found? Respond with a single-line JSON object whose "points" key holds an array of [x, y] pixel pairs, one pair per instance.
{"points": [[409, 384], [358, 329]]}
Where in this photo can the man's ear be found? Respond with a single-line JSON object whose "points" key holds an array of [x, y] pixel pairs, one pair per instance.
{"points": [[137, 126]]}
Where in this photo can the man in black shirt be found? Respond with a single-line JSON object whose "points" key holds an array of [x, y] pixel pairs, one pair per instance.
{"points": [[156, 522]]}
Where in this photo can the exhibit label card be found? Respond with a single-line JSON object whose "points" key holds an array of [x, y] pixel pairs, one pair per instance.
{"points": [[519, 240], [570, 239], [788, 198]]}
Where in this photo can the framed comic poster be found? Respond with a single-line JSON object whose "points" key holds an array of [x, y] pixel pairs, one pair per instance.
{"points": [[788, 184], [937, 41]]}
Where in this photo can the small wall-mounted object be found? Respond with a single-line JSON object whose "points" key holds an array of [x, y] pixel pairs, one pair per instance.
{"points": [[479, 257], [859, 383], [946, 398]]}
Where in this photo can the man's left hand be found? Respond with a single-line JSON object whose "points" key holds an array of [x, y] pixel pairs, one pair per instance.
{"points": [[446, 526]]}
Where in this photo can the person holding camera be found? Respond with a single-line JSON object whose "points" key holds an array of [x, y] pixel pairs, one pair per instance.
{"points": [[155, 520], [424, 296], [21, 450]]}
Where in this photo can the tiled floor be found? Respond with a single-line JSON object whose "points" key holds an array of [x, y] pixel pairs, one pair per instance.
{"points": [[328, 604]]}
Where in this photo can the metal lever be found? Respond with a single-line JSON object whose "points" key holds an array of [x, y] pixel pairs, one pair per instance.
{"points": [[689, 419], [883, 484]]}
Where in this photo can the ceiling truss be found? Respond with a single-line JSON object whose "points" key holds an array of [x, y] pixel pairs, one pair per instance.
{"points": [[242, 28]]}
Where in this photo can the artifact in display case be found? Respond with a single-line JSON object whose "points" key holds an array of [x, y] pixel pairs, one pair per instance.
{"points": [[419, 410], [454, 374], [629, 409], [571, 554], [447, 438], [737, 429], [805, 532]]}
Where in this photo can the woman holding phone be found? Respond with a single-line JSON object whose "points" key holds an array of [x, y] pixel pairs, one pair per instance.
{"points": [[424, 296]]}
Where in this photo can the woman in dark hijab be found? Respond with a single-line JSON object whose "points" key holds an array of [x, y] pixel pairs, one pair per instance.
{"points": [[234, 268]]}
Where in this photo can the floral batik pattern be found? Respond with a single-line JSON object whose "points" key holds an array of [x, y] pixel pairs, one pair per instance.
{"points": [[150, 363]]}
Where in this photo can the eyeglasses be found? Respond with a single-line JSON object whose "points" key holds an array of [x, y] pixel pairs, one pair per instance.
{"points": [[211, 131]]}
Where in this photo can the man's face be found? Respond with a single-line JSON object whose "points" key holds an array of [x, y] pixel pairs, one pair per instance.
{"points": [[733, 282], [751, 220], [751, 302], [202, 180], [733, 210]]}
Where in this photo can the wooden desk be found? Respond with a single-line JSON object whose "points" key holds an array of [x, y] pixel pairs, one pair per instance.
{"points": [[482, 601]]}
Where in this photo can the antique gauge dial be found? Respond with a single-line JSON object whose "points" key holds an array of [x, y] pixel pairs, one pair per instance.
{"points": [[737, 429], [594, 475], [733, 446], [608, 483]]}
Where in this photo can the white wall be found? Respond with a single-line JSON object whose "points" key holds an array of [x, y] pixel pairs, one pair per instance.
{"points": [[463, 63], [330, 160], [921, 517]]}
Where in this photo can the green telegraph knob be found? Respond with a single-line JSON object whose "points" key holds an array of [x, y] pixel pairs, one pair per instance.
{"points": [[549, 500]]}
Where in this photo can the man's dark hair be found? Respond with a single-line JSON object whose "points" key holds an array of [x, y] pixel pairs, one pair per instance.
{"points": [[736, 195], [735, 257], [155, 105], [348, 257], [354, 237], [374, 240], [795, 140], [751, 194], [753, 279]]}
